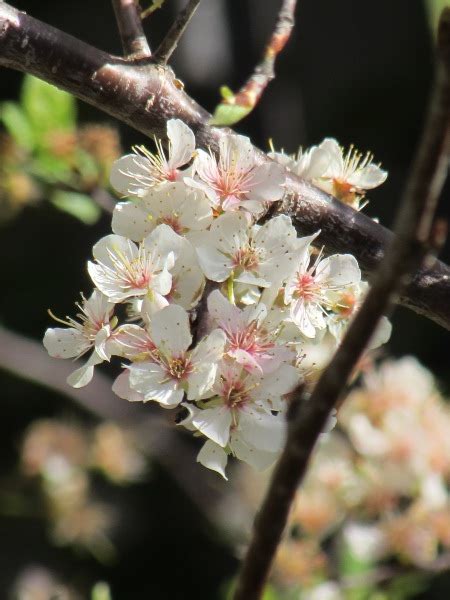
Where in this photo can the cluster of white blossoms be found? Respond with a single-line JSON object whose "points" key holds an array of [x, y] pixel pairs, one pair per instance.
{"points": [[345, 175], [190, 219]]}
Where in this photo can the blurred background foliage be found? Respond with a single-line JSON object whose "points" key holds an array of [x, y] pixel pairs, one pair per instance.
{"points": [[82, 500]]}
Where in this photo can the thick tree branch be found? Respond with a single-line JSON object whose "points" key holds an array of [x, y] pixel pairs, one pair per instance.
{"points": [[416, 234], [134, 41], [170, 42], [146, 97]]}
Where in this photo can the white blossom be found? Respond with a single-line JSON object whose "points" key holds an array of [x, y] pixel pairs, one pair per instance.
{"points": [[349, 175], [243, 413], [174, 204], [134, 174], [309, 164], [344, 305], [366, 541], [124, 269], [249, 342], [173, 369], [257, 256], [92, 331], [236, 180], [307, 290]]}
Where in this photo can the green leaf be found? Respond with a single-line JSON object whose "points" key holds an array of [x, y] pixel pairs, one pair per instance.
{"points": [[51, 169], [101, 591], [17, 125], [226, 92], [47, 107], [229, 114], [80, 206]]}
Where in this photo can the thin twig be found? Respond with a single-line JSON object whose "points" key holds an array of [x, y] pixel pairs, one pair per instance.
{"points": [[415, 237], [170, 42], [252, 90], [155, 5], [147, 97], [128, 17]]}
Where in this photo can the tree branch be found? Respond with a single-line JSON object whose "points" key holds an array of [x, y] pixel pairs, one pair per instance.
{"points": [[416, 235], [170, 42], [134, 41], [145, 97], [252, 90]]}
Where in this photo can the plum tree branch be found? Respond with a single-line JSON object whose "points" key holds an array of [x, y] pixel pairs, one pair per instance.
{"points": [[250, 93], [170, 42], [417, 233], [145, 96], [134, 41]]}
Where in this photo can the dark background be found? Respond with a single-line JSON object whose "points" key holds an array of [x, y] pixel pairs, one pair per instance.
{"points": [[358, 71]]}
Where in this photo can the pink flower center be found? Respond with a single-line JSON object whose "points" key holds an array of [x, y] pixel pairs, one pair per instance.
{"points": [[140, 280], [227, 178], [172, 175], [173, 221], [250, 339], [306, 287]]}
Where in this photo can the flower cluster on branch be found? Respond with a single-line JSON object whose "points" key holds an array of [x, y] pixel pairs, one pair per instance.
{"points": [[192, 217]]}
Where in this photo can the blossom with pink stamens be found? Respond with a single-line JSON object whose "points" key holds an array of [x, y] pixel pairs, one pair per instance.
{"points": [[308, 289], [239, 416], [235, 180], [249, 342]]}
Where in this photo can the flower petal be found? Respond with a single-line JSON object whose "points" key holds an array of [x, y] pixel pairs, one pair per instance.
{"points": [[170, 330], [213, 457]]}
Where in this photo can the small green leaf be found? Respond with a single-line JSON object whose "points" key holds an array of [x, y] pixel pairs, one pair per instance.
{"points": [[17, 125], [101, 591], [226, 92], [47, 107], [51, 169], [80, 206], [229, 114]]}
